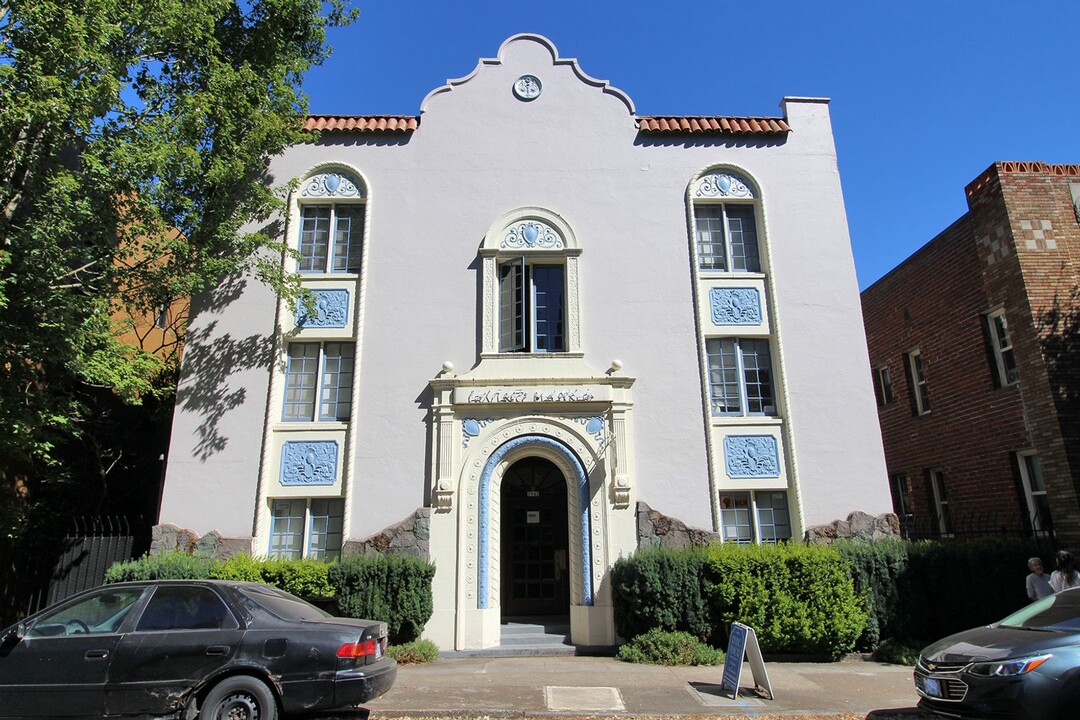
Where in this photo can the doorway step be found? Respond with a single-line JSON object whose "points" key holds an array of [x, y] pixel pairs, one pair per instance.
{"points": [[527, 636]]}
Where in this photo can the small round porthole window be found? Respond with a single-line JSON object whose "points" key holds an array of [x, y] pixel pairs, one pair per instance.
{"points": [[528, 87]]}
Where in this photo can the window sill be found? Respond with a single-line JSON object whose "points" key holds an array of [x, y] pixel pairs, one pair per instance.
{"points": [[311, 276], [309, 426], [537, 355], [722, 420]]}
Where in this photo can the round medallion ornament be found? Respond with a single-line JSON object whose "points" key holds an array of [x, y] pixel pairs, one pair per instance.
{"points": [[527, 87]]}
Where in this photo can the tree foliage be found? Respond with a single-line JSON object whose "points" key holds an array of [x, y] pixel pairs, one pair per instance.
{"points": [[134, 137]]}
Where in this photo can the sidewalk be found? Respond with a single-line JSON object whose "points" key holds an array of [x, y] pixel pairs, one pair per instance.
{"points": [[589, 686]]}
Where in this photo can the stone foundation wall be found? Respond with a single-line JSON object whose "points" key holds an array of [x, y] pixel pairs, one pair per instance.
{"points": [[411, 536], [166, 538], [858, 525], [654, 529]]}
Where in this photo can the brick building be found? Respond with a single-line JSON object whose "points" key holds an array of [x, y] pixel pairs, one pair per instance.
{"points": [[975, 351]]}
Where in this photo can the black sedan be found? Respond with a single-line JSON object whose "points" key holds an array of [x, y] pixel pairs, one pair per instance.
{"points": [[1026, 666], [186, 649]]}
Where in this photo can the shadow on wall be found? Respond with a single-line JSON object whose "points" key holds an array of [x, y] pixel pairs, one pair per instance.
{"points": [[209, 360], [1060, 326]]}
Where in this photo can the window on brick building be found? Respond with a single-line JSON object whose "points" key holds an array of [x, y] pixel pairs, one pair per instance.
{"points": [[883, 386], [1031, 479], [942, 520], [1001, 345], [917, 376], [901, 494]]}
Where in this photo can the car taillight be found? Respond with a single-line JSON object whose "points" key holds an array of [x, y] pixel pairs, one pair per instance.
{"points": [[364, 648]]}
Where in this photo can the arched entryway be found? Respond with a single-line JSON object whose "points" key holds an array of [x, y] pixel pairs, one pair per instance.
{"points": [[535, 572]]}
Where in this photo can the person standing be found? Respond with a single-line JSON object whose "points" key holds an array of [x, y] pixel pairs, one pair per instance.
{"points": [[1038, 582], [1065, 576]]}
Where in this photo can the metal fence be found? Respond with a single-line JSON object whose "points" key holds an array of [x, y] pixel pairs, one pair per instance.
{"points": [[975, 525], [37, 571]]}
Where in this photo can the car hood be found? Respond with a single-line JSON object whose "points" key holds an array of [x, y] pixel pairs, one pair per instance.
{"points": [[994, 643]]}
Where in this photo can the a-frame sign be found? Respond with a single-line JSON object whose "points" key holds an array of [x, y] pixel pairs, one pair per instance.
{"points": [[742, 643]]}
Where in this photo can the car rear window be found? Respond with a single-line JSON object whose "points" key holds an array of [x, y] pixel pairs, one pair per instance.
{"points": [[283, 605], [1056, 612]]}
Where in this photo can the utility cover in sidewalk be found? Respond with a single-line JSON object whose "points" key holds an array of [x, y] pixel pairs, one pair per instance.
{"points": [[577, 699]]}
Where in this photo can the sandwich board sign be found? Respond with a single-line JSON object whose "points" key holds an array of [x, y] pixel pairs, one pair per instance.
{"points": [[742, 643]]}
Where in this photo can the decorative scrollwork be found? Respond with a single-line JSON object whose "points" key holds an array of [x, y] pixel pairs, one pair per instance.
{"points": [[331, 310], [751, 456], [310, 462], [735, 306], [723, 185], [532, 235], [331, 185]]}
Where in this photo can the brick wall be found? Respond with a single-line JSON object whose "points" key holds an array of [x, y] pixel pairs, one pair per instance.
{"points": [[1001, 254]]}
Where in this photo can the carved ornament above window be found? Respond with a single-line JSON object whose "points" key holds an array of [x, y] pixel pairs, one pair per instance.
{"points": [[330, 185], [723, 185]]}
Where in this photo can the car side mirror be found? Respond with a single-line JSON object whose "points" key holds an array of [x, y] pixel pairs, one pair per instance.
{"points": [[13, 635]]}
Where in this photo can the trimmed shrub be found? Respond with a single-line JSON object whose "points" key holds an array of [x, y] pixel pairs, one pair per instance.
{"points": [[395, 589], [897, 652], [416, 652], [797, 598], [661, 588], [876, 569], [162, 566], [659, 647], [242, 568], [305, 578]]}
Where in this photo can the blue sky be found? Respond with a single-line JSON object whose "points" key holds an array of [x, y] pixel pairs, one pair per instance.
{"points": [[925, 95]]}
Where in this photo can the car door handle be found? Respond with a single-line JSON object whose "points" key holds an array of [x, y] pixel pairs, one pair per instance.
{"points": [[96, 654], [217, 650]]}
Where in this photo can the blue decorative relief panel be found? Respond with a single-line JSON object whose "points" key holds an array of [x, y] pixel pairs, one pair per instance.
{"points": [[751, 456], [723, 185], [735, 306], [532, 235], [309, 462], [331, 184], [331, 310]]}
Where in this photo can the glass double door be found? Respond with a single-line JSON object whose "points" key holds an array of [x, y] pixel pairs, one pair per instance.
{"points": [[534, 540]]}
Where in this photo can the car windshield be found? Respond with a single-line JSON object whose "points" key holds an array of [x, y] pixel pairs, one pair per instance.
{"points": [[284, 605], [1056, 612]]}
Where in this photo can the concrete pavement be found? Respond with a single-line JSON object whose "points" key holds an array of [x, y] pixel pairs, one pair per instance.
{"points": [[590, 686]]}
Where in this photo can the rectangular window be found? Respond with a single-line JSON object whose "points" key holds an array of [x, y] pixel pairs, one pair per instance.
{"points": [[1031, 478], [772, 514], [341, 247], [901, 494], [1004, 357], [761, 516], [883, 386], [532, 307], [332, 386], [735, 520], [727, 231], [306, 528], [740, 376], [918, 382], [941, 503]]}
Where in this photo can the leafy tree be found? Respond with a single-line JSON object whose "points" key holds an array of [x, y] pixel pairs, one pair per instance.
{"points": [[134, 137]]}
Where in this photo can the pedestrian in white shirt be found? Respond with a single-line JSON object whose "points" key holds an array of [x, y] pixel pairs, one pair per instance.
{"points": [[1065, 576]]}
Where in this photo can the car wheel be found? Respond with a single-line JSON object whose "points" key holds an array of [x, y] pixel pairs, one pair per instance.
{"points": [[239, 698]]}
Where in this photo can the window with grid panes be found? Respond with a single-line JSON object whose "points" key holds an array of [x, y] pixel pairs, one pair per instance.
{"points": [[331, 238], [774, 523], [726, 237], [740, 376], [532, 307], [319, 376], [306, 528], [736, 522]]}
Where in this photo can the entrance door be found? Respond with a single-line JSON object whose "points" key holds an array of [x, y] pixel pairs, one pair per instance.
{"points": [[534, 540]]}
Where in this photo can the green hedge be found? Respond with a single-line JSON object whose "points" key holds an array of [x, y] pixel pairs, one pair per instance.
{"points": [[390, 588], [659, 647], [393, 588], [798, 598], [659, 588], [922, 591]]}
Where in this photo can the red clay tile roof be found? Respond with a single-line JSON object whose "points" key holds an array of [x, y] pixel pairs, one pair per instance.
{"points": [[713, 125], [710, 125], [362, 123]]}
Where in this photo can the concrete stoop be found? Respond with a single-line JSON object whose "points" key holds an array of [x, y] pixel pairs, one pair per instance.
{"points": [[539, 636]]}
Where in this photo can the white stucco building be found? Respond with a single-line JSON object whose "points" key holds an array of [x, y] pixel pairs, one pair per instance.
{"points": [[536, 309]]}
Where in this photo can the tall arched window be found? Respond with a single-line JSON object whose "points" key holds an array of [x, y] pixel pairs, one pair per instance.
{"points": [[725, 224], [331, 224]]}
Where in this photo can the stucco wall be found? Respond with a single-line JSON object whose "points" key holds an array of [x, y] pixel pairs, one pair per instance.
{"points": [[575, 150]]}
